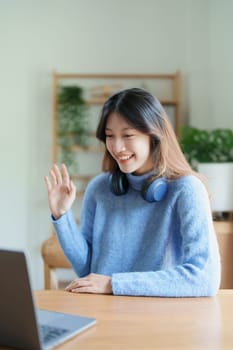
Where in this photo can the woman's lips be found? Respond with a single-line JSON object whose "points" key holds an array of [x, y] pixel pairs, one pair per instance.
{"points": [[125, 158]]}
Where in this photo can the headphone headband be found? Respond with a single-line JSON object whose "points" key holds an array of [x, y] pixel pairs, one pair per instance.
{"points": [[153, 190]]}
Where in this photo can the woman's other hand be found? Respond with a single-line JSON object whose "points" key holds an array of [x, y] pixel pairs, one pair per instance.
{"points": [[93, 283], [61, 190]]}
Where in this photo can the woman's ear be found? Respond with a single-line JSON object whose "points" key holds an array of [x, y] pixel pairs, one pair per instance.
{"points": [[155, 141]]}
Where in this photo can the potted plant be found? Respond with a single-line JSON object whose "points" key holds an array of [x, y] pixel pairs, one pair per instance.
{"points": [[210, 152], [72, 123]]}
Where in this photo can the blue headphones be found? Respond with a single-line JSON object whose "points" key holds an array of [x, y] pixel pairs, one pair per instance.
{"points": [[153, 190]]}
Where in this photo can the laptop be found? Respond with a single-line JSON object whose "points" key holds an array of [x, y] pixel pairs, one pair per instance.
{"points": [[22, 326]]}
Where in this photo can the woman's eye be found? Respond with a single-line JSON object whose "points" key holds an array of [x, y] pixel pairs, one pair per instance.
{"points": [[128, 136], [109, 136]]}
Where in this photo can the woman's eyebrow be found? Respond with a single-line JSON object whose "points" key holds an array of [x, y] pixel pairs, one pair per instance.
{"points": [[124, 129]]}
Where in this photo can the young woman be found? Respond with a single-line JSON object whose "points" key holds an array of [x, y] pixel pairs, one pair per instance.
{"points": [[146, 226]]}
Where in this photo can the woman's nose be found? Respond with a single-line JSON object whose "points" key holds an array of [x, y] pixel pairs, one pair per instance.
{"points": [[119, 146]]}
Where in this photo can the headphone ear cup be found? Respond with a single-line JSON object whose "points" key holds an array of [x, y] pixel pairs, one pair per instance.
{"points": [[154, 190], [119, 184]]}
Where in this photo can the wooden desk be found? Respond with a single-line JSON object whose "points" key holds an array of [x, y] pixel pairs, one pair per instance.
{"points": [[147, 323]]}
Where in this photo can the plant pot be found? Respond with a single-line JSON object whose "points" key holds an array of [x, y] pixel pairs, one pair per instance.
{"points": [[220, 181]]}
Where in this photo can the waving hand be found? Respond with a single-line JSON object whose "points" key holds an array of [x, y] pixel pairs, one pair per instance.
{"points": [[61, 190]]}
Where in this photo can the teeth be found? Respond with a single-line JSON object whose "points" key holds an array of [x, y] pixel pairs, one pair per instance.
{"points": [[124, 158]]}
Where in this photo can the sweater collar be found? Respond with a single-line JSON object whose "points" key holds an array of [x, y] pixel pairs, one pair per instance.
{"points": [[136, 181]]}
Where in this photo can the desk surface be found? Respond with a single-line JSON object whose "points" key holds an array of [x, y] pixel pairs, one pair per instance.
{"points": [[147, 323]]}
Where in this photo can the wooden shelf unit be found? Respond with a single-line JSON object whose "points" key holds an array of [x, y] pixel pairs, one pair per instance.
{"points": [[174, 101]]}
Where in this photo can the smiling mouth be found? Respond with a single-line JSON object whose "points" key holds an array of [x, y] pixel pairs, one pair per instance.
{"points": [[124, 158]]}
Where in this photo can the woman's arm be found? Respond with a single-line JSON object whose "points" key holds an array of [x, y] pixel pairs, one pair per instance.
{"points": [[74, 242]]}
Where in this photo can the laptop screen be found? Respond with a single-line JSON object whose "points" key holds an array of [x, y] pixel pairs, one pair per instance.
{"points": [[22, 325]]}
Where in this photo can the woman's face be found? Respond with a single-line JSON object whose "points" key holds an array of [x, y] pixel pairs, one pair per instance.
{"points": [[128, 146]]}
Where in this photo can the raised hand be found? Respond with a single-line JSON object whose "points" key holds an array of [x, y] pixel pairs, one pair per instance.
{"points": [[61, 190]]}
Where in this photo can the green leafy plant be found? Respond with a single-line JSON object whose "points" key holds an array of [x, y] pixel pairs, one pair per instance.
{"points": [[207, 146], [72, 123]]}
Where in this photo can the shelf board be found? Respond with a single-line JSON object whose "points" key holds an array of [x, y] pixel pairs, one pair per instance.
{"points": [[132, 76], [96, 149], [82, 177], [169, 102], [89, 149]]}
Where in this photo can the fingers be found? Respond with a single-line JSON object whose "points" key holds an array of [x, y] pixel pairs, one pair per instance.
{"points": [[59, 177], [53, 177], [57, 174], [79, 282], [89, 289], [72, 187], [65, 175], [81, 285], [48, 183], [73, 283], [92, 283]]}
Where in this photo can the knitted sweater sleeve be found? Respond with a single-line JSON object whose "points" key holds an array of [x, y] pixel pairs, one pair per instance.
{"points": [[199, 272], [76, 241], [74, 245]]}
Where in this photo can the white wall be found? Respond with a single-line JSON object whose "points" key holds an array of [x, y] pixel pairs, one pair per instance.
{"points": [[198, 58], [210, 69], [221, 54], [94, 36]]}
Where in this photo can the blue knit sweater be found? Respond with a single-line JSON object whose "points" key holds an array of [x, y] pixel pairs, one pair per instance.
{"points": [[166, 248]]}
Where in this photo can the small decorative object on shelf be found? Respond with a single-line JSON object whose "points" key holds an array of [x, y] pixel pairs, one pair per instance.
{"points": [[104, 91]]}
